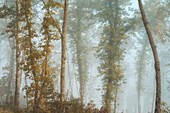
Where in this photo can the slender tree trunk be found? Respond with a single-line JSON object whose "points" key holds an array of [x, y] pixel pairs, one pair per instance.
{"points": [[11, 71], [80, 76], [108, 95], [115, 100], [69, 74], [79, 62], [18, 53], [155, 54], [153, 98], [139, 105], [47, 53], [63, 57], [140, 70], [79, 53]]}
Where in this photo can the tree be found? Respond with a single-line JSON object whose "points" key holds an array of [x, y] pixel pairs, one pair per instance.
{"points": [[156, 15], [40, 91], [11, 71], [14, 29], [63, 57], [18, 54], [141, 69], [109, 51], [80, 20], [157, 65]]}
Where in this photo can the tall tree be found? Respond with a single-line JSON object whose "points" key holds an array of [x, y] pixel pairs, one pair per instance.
{"points": [[12, 11], [40, 91], [112, 15], [18, 54], [156, 15], [80, 20], [155, 54], [63, 57]]}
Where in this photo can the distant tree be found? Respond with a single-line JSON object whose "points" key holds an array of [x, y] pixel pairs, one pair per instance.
{"points": [[13, 28], [11, 70], [80, 20], [142, 67]]}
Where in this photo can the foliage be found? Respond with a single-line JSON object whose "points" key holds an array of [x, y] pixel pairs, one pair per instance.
{"points": [[115, 27], [165, 108], [3, 87], [40, 30], [5, 111], [40, 92], [56, 106]]}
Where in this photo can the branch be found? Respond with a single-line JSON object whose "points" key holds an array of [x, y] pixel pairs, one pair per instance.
{"points": [[56, 24]]}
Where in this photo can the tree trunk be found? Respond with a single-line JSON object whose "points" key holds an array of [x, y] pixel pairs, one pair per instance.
{"points": [[140, 70], [63, 57], [155, 54], [153, 99], [18, 59], [71, 89], [115, 100], [108, 95], [139, 105], [80, 75], [11, 71]]}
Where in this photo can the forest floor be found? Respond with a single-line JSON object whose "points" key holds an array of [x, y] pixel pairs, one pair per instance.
{"points": [[5, 111]]}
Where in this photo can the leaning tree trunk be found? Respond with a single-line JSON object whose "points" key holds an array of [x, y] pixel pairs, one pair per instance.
{"points": [[63, 58], [153, 99], [155, 54], [18, 53]]}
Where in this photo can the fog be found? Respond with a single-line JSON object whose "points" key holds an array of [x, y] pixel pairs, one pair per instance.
{"points": [[97, 44]]}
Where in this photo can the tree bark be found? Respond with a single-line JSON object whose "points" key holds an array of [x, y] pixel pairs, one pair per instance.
{"points": [[18, 59], [63, 57], [155, 54], [153, 99]]}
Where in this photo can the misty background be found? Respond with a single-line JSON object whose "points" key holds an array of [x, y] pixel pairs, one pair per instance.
{"points": [[137, 64]]}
